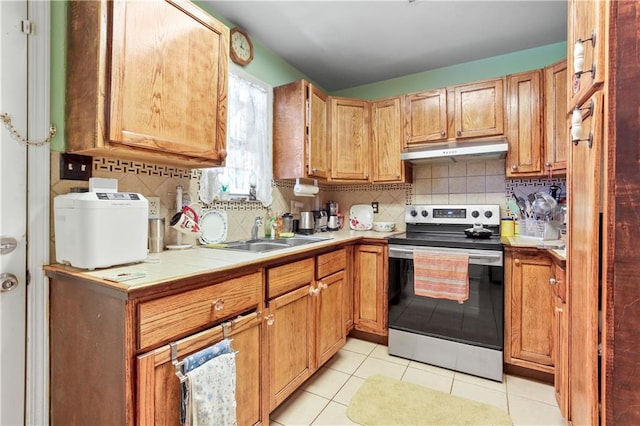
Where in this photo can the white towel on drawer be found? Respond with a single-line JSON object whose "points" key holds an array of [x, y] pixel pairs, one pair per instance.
{"points": [[212, 392]]}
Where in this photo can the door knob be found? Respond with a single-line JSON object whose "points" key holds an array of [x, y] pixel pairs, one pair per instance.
{"points": [[7, 244], [8, 282]]}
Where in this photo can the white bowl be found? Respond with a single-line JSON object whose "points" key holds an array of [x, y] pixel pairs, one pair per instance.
{"points": [[384, 226]]}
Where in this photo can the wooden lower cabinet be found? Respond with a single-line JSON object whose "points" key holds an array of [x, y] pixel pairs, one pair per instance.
{"points": [[529, 310], [370, 288], [305, 325], [290, 348], [158, 388], [110, 347]]}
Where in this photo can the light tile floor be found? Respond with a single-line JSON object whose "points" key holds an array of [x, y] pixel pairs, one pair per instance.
{"points": [[324, 398]]}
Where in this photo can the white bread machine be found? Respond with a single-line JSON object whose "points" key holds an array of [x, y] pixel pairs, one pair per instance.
{"points": [[100, 229]]}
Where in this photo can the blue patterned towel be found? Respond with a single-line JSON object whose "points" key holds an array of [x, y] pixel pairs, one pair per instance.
{"points": [[212, 392], [196, 360]]}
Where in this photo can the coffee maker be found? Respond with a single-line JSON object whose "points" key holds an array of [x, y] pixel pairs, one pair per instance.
{"points": [[333, 222]]}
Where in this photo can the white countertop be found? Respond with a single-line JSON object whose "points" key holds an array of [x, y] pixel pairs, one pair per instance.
{"points": [[172, 264]]}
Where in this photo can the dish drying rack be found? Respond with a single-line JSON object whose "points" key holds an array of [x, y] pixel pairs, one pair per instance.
{"points": [[542, 229]]}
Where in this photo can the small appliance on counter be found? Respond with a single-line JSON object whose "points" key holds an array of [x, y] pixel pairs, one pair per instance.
{"points": [[320, 218], [100, 229], [333, 221], [306, 225]]}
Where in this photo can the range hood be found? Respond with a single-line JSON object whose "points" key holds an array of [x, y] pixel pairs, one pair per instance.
{"points": [[457, 151]]}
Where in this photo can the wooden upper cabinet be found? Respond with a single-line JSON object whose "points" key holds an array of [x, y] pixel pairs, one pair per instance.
{"points": [[148, 82], [524, 128], [586, 27], [386, 140], [350, 151], [300, 140], [425, 117], [478, 109], [317, 140], [555, 118]]}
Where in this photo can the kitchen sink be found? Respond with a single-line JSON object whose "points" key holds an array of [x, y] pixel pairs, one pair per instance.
{"points": [[262, 245]]}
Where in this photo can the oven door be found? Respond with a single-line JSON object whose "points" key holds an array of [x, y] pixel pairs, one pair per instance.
{"points": [[441, 331]]}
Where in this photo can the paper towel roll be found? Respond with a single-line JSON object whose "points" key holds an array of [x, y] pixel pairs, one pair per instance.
{"points": [[304, 190]]}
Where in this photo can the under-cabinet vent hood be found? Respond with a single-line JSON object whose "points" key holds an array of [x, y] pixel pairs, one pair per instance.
{"points": [[457, 151]]}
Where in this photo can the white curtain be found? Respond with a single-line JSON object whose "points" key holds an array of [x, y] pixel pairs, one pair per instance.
{"points": [[249, 144]]}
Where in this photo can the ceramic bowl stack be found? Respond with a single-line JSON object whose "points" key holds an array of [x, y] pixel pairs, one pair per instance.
{"points": [[384, 226]]}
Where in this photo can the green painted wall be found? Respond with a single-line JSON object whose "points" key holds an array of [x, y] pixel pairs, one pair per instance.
{"points": [[496, 66], [272, 69]]}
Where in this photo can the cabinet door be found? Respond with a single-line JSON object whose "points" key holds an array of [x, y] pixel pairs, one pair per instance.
{"points": [[555, 118], [586, 27], [386, 138], [529, 311], [350, 153], [330, 327], [168, 79], [318, 142], [290, 324], [524, 128], [561, 359], [425, 117], [158, 388], [583, 268], [290, 130], [479, 109], [370, 303]]}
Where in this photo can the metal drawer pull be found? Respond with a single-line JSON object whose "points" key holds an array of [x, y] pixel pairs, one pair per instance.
{"points": [[553, 281]]}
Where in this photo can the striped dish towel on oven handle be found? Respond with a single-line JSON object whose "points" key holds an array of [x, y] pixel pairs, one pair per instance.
{"points": [[441, 275]]}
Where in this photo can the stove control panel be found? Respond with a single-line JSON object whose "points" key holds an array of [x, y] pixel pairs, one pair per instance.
{"points": [[459, 214]]}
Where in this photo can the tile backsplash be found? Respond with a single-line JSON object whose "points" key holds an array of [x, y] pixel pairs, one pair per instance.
{"points": [[477, 182]]}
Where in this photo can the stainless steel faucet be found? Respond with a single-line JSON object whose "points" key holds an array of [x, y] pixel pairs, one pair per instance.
{"points": [[255, 227]]}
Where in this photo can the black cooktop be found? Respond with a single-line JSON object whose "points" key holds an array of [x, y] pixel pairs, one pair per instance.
{"points": [[449, 236]]}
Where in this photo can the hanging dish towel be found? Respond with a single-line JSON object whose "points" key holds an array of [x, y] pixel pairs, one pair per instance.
{"points": [[196, 360], [441, 276], [212, 392]]}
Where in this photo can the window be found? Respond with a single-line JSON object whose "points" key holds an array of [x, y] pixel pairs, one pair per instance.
{"points": [[249, 143]]}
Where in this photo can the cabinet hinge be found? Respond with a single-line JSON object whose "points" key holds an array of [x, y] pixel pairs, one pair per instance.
{"points": [[26, 26]]}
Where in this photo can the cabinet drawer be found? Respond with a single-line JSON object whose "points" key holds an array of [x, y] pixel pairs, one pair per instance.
{"points": [[330, 263], [282, 279], [164, 319]]}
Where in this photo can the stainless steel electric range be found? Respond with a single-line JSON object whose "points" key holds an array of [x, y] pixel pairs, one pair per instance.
{"points": [[466, 337]]}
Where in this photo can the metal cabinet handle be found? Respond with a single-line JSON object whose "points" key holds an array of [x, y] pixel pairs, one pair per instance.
{"points": [[547, 165], [442, 133], [553, 281], [459, 133], [578, 59], [514, 167], [559, 309]]}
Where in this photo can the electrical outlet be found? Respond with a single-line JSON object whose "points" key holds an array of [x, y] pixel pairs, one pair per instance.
{"points": [[75, 167], [374, 204], [154, 207]]}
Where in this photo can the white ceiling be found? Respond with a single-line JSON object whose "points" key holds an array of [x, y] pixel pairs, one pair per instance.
{"points": [[342, 44]]}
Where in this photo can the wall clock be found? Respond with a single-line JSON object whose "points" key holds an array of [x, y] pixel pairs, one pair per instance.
{"points": [[241, 48]]}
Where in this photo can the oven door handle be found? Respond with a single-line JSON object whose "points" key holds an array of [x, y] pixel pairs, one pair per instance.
{"points": [[494, 257]]}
